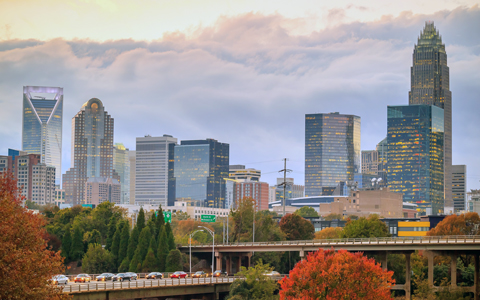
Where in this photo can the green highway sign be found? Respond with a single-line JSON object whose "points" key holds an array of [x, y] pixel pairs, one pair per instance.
{"points": [[208, 218], [167, 216]]}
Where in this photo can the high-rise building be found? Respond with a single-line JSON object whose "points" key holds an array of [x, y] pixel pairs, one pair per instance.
{"points": [[42, 125], [259, 191], [374, 163], [459, 187], [382, 149], [131, 158], [92, 150], [121, 165], [154, 181], [415, 155], [332, 151], [292, 190], [201, 167], [102, 189], [430, 85], [240, 173]]}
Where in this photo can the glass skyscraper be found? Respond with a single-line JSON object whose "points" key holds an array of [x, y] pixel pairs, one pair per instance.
{"points": [[92, 150], [42, 125], [430, 85], [415, 137], [200, 169], [121, 164], [332, 151]]}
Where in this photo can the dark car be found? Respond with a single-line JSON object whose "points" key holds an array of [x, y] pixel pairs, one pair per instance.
{"points": [[178, 274], [220, 273], [82, 278], [199, 274], [121, 277], [154, 275], [105, 277], [132, 275]]}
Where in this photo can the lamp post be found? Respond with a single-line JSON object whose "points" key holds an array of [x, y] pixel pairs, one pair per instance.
{"points": [[190, 240], [213, 246]]}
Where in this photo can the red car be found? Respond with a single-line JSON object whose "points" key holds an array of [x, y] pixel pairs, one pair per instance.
{"points": [[178, 274]]}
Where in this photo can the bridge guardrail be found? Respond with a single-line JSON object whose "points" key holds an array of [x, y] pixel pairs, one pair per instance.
{"points": [[382, 240]]}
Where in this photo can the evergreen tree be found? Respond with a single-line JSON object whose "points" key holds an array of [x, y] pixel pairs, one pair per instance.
{"points": [[152, 223], [143, 243], [76, 251], [116, 243], [133, 242], [112, 227], [174, 261], [124, 266], [150, 263], [162, 249], [141, 220], [67, 244], [123, 248], [160, 221], [170, 237], [133, 267], [153, 244]]}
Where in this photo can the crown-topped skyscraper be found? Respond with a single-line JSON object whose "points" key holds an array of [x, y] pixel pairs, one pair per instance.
{"points": [[430, 85]]}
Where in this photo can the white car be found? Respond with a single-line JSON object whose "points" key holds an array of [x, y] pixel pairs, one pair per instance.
{"points": [[59, 279]]}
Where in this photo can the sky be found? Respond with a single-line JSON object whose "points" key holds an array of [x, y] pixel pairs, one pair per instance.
{"points": [[242, 72]]}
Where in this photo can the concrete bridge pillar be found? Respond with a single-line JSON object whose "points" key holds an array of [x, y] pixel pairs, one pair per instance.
{"points": [[453, 270], [219, 259], [239, 263], [302, 254], [228, 261], [249, 259], [476, 278], [383, 259], [408, 277], [430, 256]]}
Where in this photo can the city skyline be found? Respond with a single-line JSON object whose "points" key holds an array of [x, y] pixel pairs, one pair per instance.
{"points": [[257, 106]]}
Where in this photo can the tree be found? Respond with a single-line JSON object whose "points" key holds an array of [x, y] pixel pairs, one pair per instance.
{"points": [[112, 227], [76, 251], [160, 221], [26, 264], [162, 250], [150, 263], [174, 261], [365, 228], [141, 220], [307, 211], [116, 243], [98, 260], [266, 229], [92, 237], [67, 244], [170, 239], [331, 217], [327, 274], [465, 224], [296, 227], [133, 242], [123, 248], [180, 216], [243, 220], [143, 243], [256, 284], [328, 233], [124, 266]]}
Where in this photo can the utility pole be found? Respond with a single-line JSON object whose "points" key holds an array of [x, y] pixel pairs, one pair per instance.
{"points": [[284, 183]]}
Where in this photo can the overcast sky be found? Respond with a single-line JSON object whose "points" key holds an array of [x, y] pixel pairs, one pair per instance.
{"points": [[242, 72]]}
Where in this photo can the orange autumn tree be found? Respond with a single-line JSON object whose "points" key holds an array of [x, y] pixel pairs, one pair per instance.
{"points": [[327, 274], [465, 224], [328, 233], [26, 264]]}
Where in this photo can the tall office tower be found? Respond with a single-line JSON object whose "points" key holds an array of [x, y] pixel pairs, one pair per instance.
{"points": [[430, 85], [131, 158], [121, 165], [370, 162], [415, 155], [240, 173], [42, 125], [292, 190], [459, 187], [374, 163], [102, 189], [382, 149], [332, 151], [92, 150], [201, 167], [153, 173]]}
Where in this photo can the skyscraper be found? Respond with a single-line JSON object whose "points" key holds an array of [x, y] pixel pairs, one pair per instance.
{"points": [[459, 187], [415, 155], [42, 125], [430, 85], [332, 151], [92, 150], [200, 169], [154, 182], [121, 165]]}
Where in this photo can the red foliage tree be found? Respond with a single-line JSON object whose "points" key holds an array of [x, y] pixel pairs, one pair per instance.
{"points": [[337, 275], [26, 264], [465, 224], [296, 227]]}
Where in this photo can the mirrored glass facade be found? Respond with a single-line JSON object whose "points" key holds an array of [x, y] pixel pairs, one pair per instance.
{"points": [[42, 125], [200, 167], [415, 138], [332, 151], [430, 85], [121, 165]]}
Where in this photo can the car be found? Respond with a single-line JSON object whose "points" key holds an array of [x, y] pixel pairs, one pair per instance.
{"points": [[273, 274], [105, 276], [82, 278], [178, 274], [199, 274], [132, 275], [122, 277], [59, 279], [220, 273], [154, 275]]}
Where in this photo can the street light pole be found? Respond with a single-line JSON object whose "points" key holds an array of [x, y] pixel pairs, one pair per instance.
{"points": [[212, 233], [190, 240]]}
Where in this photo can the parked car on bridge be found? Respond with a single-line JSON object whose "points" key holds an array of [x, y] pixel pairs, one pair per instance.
{"points": [[82, 278], [199, 274], [178, 274], [134, 276], [122, 277], [59, 279], [105, 277], [220, 273], [154, 275]]}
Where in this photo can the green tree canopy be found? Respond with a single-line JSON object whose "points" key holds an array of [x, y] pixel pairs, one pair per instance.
{"points": [[365, 228], [242, 220], [331, 217], [97, 260], [256, 284], [76, 250], [306, 211], [174, 261], [296, 227], [133, 242], [67, 244], [150, 262], [141, 220], [170, 237], [123, 247], [162, 250]]}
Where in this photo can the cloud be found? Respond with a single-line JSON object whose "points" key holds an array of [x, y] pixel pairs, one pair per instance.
{"points": [[247, 81]]}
